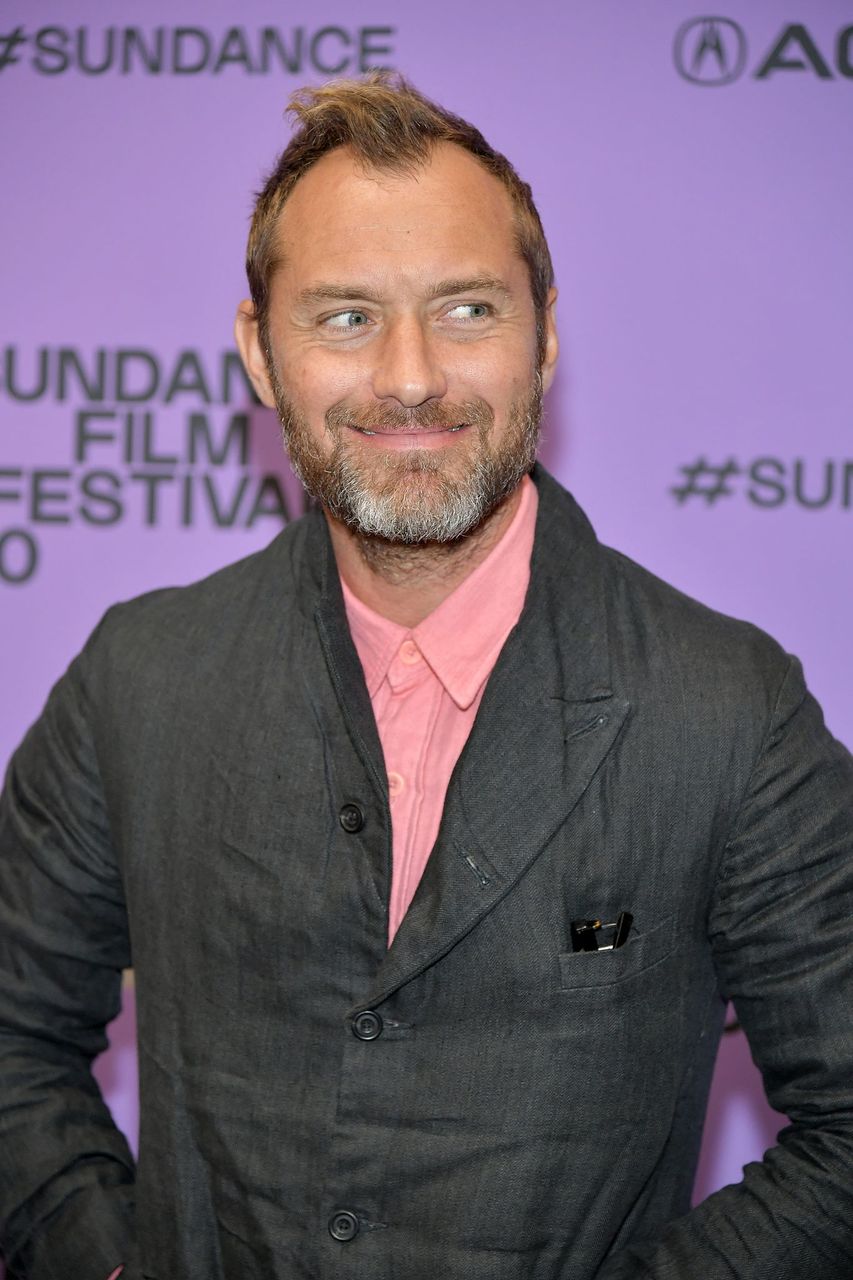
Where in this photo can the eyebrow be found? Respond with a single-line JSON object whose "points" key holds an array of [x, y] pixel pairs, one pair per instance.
{"points": [[469, 284], [442, 289]]}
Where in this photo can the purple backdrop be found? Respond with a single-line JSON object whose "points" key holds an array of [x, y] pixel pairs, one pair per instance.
{"points": [[694, 182]]}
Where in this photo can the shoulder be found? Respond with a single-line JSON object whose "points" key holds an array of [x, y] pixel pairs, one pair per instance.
{"points": [[191, 634], [654, 623], [666, 650], [265, 583], [708, 688], [648, 622]]}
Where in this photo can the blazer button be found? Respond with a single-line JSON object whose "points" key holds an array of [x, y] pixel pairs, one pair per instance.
{"points": [[367, 1025], [351, 818], [343, 1226]]}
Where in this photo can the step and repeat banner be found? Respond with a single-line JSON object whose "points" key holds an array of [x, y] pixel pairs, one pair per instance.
{"points": [[693, 174]]}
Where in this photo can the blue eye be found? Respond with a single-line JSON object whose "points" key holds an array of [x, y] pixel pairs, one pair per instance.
{"points": [[347, 320], [476, 310]]}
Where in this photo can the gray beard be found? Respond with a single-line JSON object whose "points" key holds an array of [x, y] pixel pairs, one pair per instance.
{"points": [[405, 498]]}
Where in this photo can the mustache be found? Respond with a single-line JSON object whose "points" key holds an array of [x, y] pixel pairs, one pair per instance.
{"points": [[430, 416]]}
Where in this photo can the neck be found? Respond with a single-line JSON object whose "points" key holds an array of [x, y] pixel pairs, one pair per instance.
{"points": [[406, 583]]}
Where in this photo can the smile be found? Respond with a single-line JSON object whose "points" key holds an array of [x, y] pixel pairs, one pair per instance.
{"points": [[411, 437], [409, 431]]}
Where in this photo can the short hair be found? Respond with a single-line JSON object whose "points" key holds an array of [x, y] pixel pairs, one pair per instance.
{"points": [[390, 126]]}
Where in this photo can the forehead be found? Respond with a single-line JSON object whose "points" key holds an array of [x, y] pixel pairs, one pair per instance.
{"points": [[448, 216]]}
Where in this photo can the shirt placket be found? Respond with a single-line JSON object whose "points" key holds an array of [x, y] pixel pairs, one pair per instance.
{"points": [[416, 695]]}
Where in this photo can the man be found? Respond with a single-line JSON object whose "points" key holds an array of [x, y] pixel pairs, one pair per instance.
{"points": [[582, 809]]}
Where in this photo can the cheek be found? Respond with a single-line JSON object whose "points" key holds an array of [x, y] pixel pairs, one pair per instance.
{"points": [[499, 378], [318, 380]]}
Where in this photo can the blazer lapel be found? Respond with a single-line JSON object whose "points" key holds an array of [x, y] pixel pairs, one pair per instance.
{"points": [[347, 676], [547, 721]]}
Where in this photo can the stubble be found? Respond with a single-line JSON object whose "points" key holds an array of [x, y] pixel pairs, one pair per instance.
{"points": [[415, 497]]}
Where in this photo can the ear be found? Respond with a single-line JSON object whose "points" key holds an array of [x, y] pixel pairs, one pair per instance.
{"points": [[252, 353], [552, 343]]}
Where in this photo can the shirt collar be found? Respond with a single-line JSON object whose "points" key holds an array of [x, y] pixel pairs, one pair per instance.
{"points": [[462, 638], [376, 639]]}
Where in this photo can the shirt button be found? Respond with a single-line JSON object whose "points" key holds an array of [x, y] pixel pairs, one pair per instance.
{"points": [[351, 818], [367, 1025], [396, 783], [343, 1226], [409, 653]]}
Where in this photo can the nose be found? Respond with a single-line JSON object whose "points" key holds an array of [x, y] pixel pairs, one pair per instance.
{"points": [[407, 366]]}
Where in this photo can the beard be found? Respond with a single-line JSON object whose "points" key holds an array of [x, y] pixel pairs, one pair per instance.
{"points": [[413, 496]]}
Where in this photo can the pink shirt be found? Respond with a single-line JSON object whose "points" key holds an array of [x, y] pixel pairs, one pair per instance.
{"points": [[426, 683]]}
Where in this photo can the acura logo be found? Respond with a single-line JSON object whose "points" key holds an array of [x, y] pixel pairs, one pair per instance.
{"points": [[710, 51]]}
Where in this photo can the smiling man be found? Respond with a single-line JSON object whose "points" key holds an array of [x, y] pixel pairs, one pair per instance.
{"points": [[396, 332], [438, 835]]}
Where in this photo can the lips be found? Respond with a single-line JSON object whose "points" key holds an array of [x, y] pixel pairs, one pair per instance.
{"points": [[425, 424], [414, 430], [410, 437]]}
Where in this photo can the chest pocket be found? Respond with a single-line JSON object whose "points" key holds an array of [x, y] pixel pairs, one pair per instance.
{"points": [[583, 969], [623, 1014]]}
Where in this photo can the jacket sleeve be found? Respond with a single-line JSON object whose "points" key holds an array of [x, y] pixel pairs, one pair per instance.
{"points": [[66, 1173], [781, 928]]}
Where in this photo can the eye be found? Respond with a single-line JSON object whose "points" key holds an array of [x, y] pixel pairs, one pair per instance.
{"points": [[469, 311], [352, 319]]}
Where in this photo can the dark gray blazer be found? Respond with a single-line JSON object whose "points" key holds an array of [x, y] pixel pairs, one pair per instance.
{"points": [[514, 1110]]}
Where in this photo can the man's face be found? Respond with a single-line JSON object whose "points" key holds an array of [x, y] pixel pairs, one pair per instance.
{"points": [[402, 345]]}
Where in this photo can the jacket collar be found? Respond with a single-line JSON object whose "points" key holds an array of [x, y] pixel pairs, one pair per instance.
{"points": [[565, 599], [548, 703]]}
